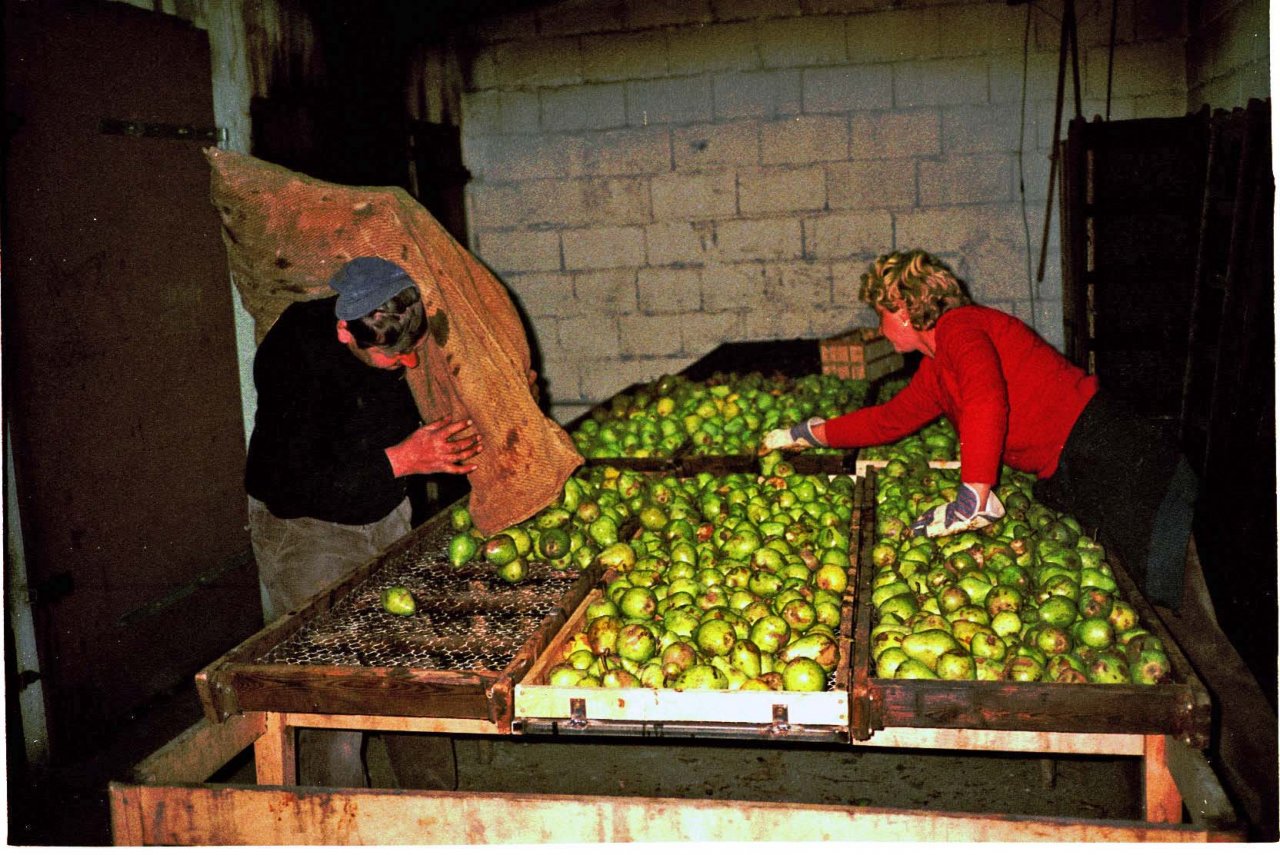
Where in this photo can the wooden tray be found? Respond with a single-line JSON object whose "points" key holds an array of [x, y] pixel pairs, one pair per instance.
{"points": [[814, 716], [647, 465], [653, 712], [241, 682], [804, 463], [1181, 708], [686, 465]]}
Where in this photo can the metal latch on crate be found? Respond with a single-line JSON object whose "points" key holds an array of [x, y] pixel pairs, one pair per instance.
{"points": [[780, 723], [577, 712]]}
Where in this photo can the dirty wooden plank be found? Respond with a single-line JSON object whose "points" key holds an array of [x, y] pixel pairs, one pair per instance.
{"points": [[409, 724], [200, 751], [275, 754], [127, 828], [212, 815], [1034, 741], [361, 691], [550, 655], [1159, 790], [861, 707], [1006, 705]]}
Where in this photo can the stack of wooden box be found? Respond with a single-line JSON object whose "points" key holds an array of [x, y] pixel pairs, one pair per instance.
{"points": [[859, 354]]}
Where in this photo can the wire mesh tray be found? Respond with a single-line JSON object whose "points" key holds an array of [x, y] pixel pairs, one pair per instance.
{"points": [[457, 656]]}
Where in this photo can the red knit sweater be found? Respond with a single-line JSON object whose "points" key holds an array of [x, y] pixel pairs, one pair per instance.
{"points": [[1011, 397]]}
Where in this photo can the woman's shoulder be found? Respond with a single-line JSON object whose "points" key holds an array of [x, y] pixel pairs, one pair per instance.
{"points": [[975, 317], [974, 313]]}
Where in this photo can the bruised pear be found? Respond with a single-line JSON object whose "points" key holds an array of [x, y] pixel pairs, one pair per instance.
{"points": [[955, 665], [927, 645], [820, 648]]}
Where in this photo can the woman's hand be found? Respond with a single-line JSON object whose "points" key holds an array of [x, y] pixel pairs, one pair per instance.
{"points": [[806, 434], [437, 447], [975, 506]]}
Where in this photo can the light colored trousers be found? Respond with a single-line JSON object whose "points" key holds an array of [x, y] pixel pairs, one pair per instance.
{"points": [[299, 558]]}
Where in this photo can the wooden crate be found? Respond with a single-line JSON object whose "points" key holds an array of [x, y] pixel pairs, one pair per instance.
{"points": [[1181, 709], [815, 716], [541, 708], [859, 354]]}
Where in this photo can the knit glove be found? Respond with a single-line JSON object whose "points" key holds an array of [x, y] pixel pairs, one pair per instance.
{"points": [[963, 514], [794, 438]]}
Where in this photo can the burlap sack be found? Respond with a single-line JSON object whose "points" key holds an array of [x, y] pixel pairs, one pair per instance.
{"points": [[286, 234]]}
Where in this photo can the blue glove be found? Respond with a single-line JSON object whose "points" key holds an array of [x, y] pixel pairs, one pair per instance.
{"points": [[794, 438], [960, 515]]}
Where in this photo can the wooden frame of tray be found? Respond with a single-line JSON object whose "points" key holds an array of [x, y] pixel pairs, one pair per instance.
{"points": [[686, 465], [1181, 708], [577, 709], [237, 682], [707, 712]]}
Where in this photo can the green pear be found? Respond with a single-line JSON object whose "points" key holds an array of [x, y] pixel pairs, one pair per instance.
{"points": [[926, 646]]}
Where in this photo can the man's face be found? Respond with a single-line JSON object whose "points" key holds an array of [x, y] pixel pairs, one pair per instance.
{"points": [[386, 360], [379, 357]]}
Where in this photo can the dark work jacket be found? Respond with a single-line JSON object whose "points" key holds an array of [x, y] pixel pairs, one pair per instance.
{"points": [[322, 423]]}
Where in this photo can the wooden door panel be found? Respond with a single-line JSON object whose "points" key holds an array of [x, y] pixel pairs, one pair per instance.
{"points": [[120, 362]]}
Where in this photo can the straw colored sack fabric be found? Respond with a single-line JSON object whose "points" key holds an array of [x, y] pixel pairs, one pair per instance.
{"points": [[286, 234]]}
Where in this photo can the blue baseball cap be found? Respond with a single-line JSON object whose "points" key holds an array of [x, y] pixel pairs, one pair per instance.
{"points": [[363, 284]]}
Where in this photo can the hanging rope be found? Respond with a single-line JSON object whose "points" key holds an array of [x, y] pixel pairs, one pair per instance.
{"points": [[1111, 55], [1022, 181], [1066, 41]]}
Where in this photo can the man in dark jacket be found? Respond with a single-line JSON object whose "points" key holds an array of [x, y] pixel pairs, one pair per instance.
{"points": [[335, 433]]}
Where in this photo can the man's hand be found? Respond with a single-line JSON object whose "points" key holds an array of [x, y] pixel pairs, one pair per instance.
{"points": [[964, 514], [794, 438], [436, 447]]}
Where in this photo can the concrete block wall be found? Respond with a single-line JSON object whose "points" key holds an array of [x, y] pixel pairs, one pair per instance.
{"points": [[1228, 54], [655, 177]]}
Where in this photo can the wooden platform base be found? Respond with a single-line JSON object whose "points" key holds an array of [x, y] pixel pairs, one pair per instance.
{"points": [[167, 802]]}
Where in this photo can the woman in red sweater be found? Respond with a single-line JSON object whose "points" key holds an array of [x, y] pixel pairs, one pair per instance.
{"points": [[1014, 399]]}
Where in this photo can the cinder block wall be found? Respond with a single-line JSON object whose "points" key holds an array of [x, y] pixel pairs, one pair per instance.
{"points": [[655, 177], [1228, 53]]}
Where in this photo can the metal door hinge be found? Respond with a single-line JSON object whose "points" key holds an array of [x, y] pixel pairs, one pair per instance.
{"points": [[161, 130]]}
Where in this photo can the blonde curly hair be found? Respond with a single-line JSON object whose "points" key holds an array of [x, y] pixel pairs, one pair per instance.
{"points": [[917, 280]]}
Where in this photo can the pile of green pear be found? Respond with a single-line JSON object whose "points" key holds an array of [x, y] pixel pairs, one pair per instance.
{"points": [[726, 414], [1029, 598], [935, 441], [712, 582]]}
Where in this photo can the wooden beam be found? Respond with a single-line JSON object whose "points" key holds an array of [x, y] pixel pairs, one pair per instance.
{"points": [[1159, 791], [1206, 801], [126, 814], [276, 753], [200, 751], [212, 815], [1033, 741], [411, 724]]}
